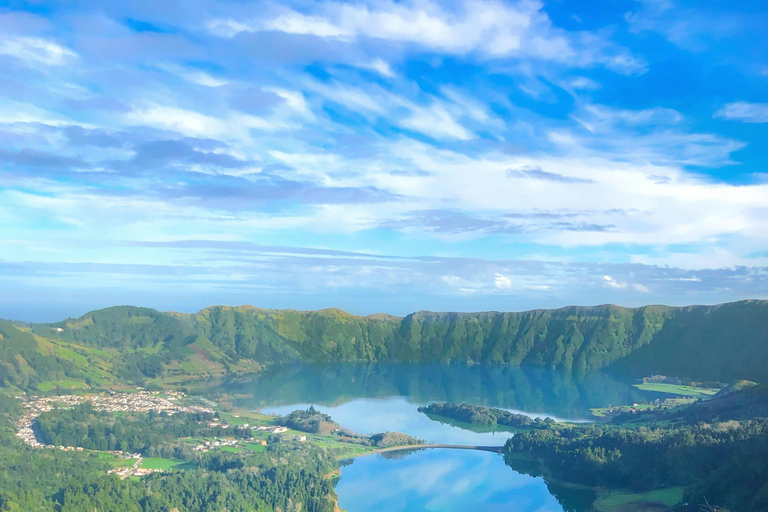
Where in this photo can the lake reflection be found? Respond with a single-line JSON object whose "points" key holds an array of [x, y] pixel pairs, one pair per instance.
{"points": [[385, 397], [369, 416], [441, 480], [534, 390]]}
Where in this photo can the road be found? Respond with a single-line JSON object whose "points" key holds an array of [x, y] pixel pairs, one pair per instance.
{"points": [[494, 449], [134, 468]]}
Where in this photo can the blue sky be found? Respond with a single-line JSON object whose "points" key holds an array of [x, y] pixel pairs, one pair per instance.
{"points": [[381, 156]]}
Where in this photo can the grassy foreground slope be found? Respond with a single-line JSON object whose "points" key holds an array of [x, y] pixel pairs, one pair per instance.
{"points": [[725, 342]]}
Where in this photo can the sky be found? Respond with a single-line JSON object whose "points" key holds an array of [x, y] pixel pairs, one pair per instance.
{"points": [[381, 156]]}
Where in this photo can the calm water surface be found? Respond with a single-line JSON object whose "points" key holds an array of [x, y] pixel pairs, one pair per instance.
{"points": [[378, 398], [441, 480], [397, 414]]}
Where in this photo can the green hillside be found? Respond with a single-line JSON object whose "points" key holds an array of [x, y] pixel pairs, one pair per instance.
{"points": [[28, 361], [726, 342], [579, 338]]}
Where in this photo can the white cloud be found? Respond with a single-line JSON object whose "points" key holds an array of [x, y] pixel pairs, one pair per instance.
{"points": [[194, 76], [493, 28], [229, 126], [382, 68], [582, 82], [358, 100], [599, 118], [744, 111], [502, 282], [441, 118], [36, 50], [185, 121], [295, 23], [435, 122], [205, 79], [226, 27], [612, 283], [294, 99]]}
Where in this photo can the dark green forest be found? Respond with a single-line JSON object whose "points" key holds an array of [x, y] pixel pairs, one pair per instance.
{"points": [[35, 480], [483, 416], [722, 460], [152, 434]]}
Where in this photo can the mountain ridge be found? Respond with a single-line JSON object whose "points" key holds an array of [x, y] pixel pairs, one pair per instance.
{"points": [[725, 342]]}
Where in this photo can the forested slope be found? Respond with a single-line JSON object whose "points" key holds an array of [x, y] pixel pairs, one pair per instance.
{"points": [[725, 342], [717, 449]]}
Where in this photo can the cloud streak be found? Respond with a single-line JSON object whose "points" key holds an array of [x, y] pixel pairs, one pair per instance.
{"points": [[745, 112]]}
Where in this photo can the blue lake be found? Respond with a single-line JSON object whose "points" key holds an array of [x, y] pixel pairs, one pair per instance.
{"points": [[441, 480], [379, 398]]}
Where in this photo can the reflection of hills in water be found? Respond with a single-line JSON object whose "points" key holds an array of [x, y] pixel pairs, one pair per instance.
{"points": [[560, 393]]}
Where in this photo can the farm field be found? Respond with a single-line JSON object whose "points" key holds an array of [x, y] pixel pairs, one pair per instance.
{"points": [[677, 389], [164, 464], [620, 501]]}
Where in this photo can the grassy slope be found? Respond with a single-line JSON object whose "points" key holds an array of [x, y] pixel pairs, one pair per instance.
{"points": [[29, 361]]}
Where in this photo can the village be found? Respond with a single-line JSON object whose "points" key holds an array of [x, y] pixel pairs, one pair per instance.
{"points": [[268, 429], [140, 401], [170, 402], [613, 411]]}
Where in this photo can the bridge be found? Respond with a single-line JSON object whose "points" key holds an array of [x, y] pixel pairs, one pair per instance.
{"points": [[493, 449]]}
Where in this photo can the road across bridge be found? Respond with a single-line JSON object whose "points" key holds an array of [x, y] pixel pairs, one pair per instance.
{"points": [[494, 449]]}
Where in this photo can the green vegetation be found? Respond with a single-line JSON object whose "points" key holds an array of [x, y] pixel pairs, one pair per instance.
{"points": [[343, 450], [617, 500], [285, 477], [27, 362], [486, 417], [725, 342], [163, 463], [736, 386], [129, 345], [310, 421], [151, 434], [330, 432], [677, 389], [624, 411], [390, 439], [717, 449]]}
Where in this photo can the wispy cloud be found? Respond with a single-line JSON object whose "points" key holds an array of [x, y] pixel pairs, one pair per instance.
{"points": [[493, 28], [745, 112], [536, 173], [36, 50]]}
